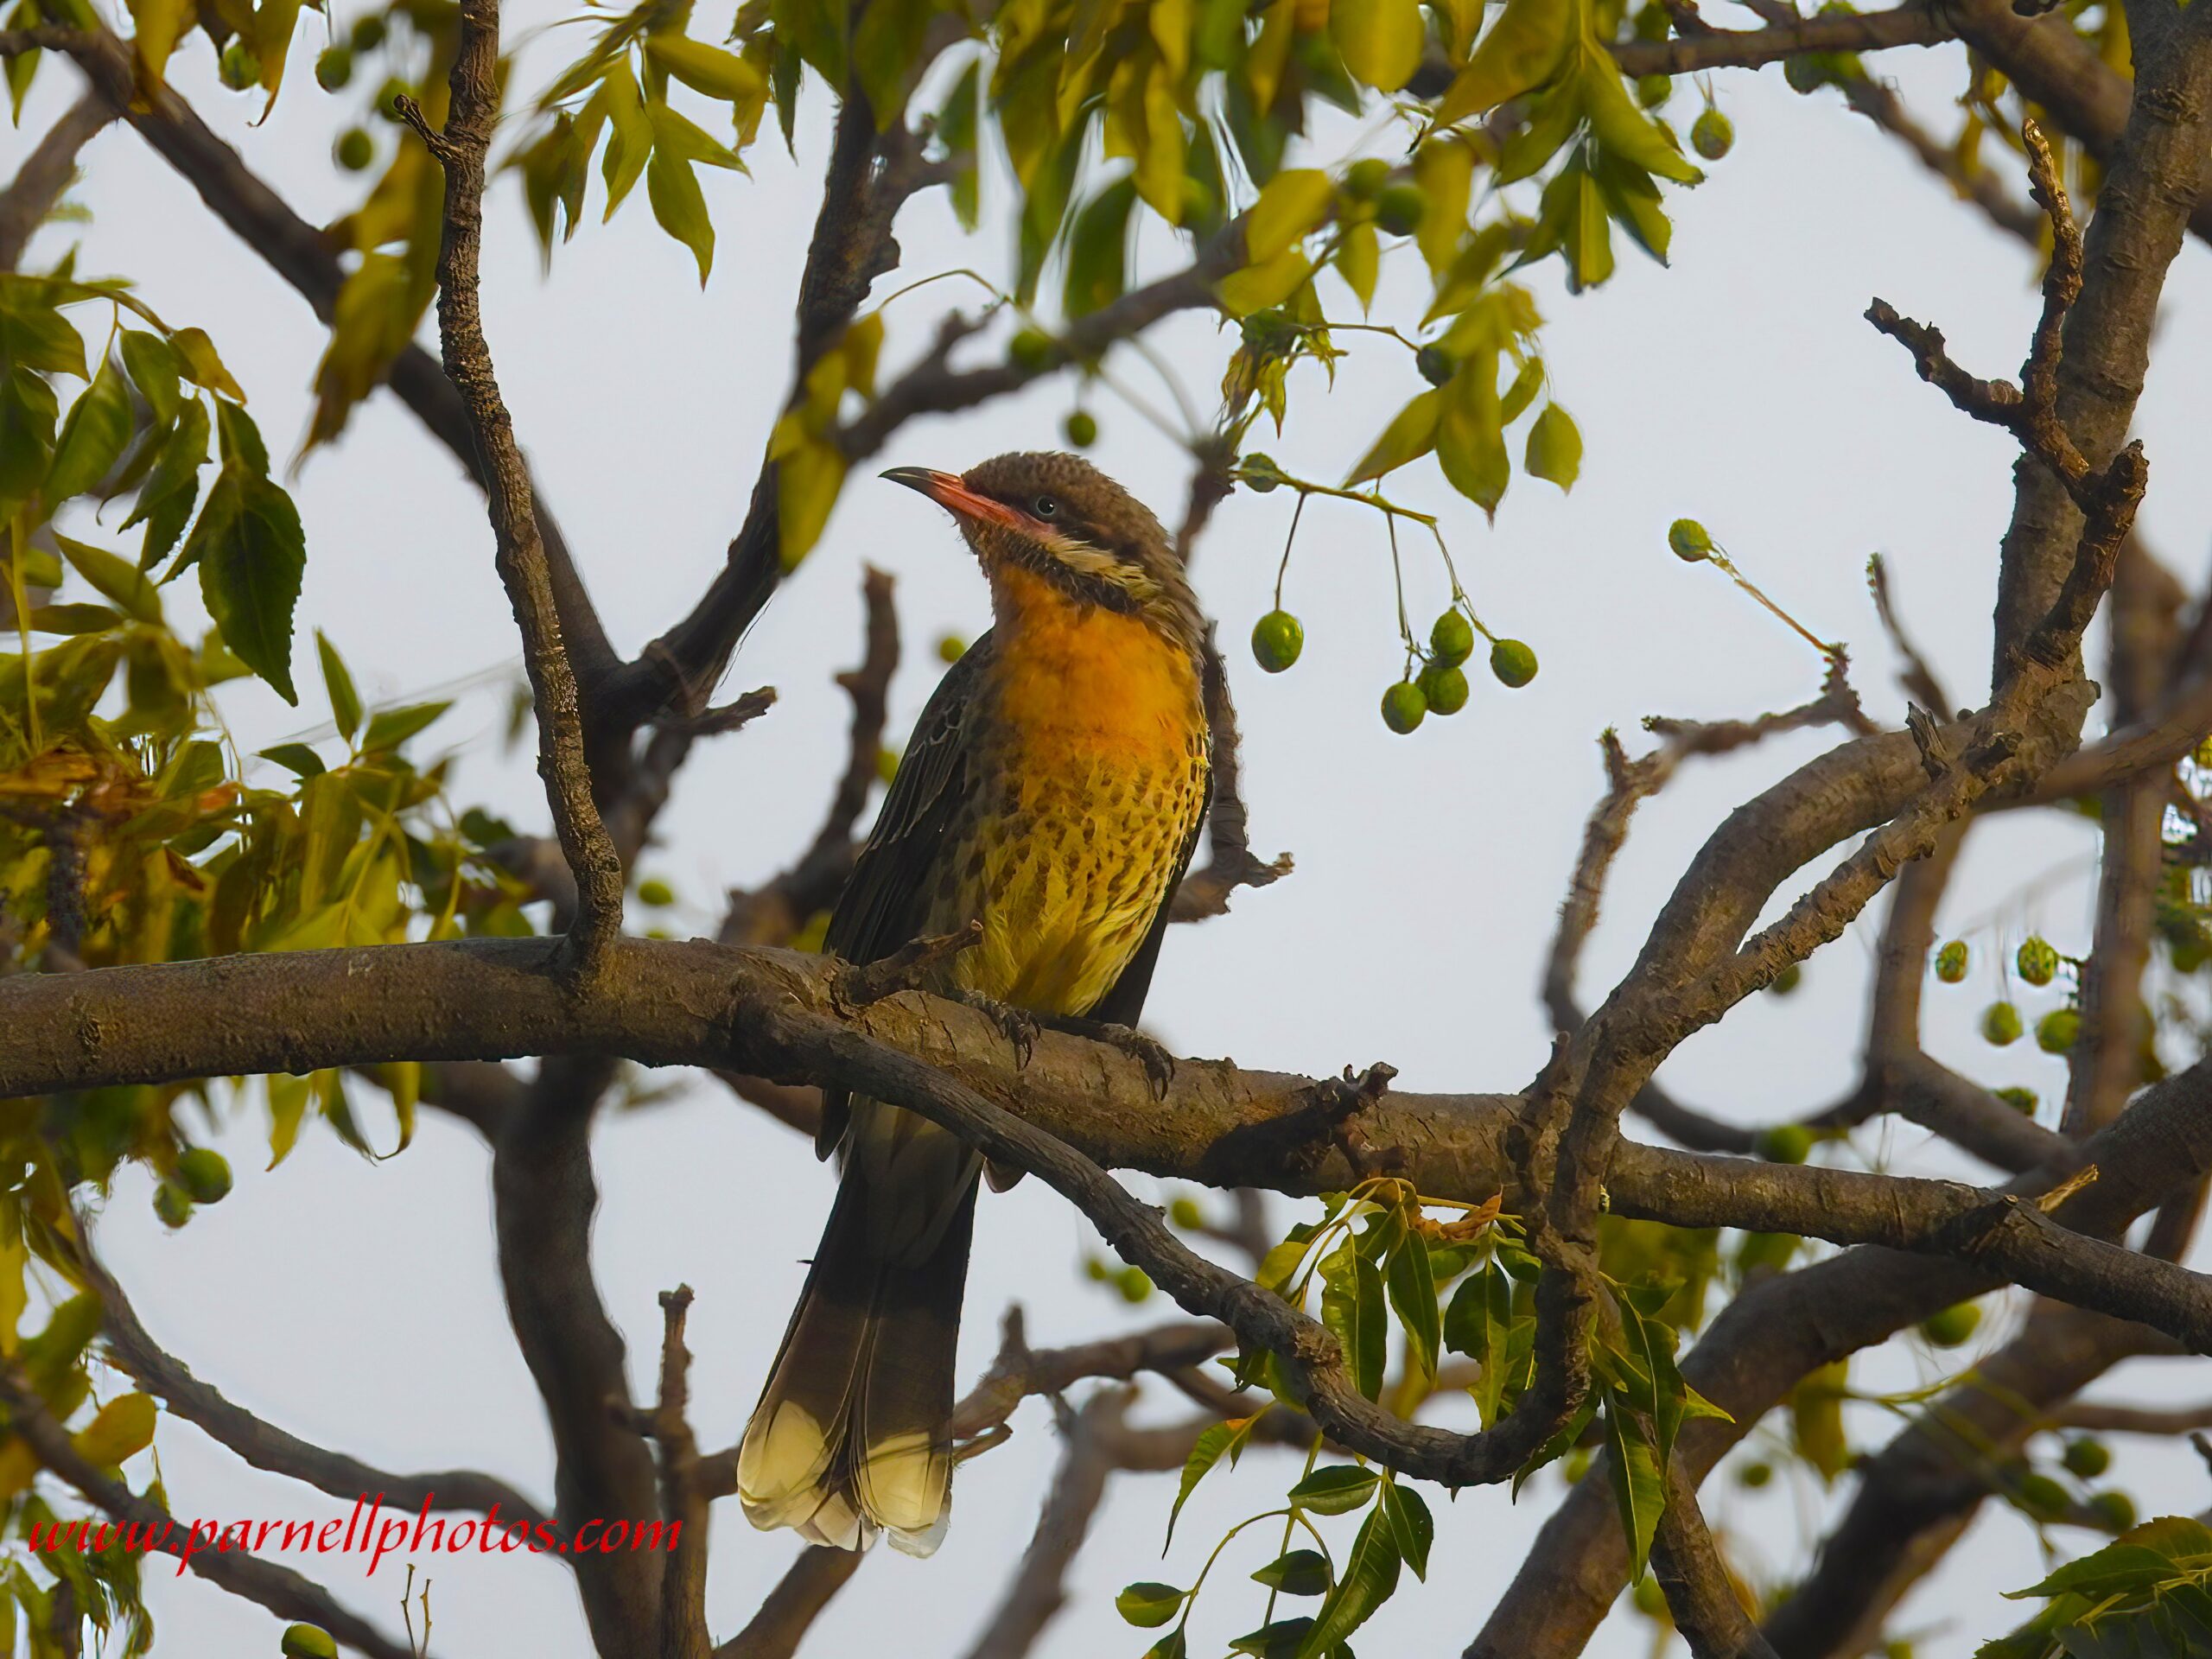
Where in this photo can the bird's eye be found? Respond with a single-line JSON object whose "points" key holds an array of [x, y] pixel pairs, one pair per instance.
{"points": [[1046, 506]]}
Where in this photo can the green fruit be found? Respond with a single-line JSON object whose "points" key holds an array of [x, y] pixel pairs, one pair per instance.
{"points": [[1367, 179], [308, 1642], [1575, 1464], [388, 96], [2036, 960], [655, 892], [1513, 663], [1755, 1475], [355, 150], [335, 67], [1082, 429], [1259, 472], [1031, 350], [2086, 1457], [1784, 1143], [2042, 1497], [2022, 1100], [1268, 331], [2000, 1024], [1401, 208], [1951, 961], [1096, 1267], [368, 33], [1652, 90], [1788, 980], [2057, 1030], [1277, 639], [2115, 1511], [1689, 540], [204, 1173], [886, 765], [172, 1203], [1436, 364], [1404, 707], [1444, 689], [1807, 73], [240, 66], [1133, 1284], [1185, 1214], [1713, 135], [1649, 1597], [1451, 639], [950, 647], [1953, 1326]]}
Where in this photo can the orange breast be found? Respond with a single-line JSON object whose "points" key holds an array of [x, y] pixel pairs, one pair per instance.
{"points": [[1080, 679]]}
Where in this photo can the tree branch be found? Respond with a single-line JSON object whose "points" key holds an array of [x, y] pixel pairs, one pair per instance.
{"points": [[1699, 1593], [792, 1606], [46, 173]]}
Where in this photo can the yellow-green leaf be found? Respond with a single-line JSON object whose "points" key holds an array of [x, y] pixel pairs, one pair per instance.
{"points": [[1556, 448], [1626, 130], [630, 134], [1359, 259], [201, 367], [808, 477], [704, 68], [1292, 203], [1445, 170], [1411, 434], [156, 26], [681, 207], [1380, 40], [117, 579], [1470, 436], [124, 1428], [1521, 50], [1260, 286]]}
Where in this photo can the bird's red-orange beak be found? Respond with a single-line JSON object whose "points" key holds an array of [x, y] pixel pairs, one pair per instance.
{"points": [[947, 490]]}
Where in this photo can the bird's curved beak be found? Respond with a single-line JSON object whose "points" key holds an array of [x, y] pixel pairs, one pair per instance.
{"points": [[947, 490]]}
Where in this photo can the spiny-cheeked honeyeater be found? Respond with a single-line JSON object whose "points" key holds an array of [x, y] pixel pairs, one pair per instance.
{"points": [[1053, 791]]}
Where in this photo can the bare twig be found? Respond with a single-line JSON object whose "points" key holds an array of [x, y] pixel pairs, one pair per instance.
{"points": [[46, 173], [791, 1607]]}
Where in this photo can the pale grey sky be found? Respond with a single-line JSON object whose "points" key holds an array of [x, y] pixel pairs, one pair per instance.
{"points": [[357, 1304]]}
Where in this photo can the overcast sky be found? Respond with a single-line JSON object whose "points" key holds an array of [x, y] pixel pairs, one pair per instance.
{"points": [[357, 1304]]}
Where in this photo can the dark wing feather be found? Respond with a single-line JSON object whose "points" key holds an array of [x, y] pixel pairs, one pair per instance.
{"points": [[1124, 1000], [882, 905]]}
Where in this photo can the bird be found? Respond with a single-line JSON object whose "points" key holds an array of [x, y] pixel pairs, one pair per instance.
{"points": [[1054, 790]]}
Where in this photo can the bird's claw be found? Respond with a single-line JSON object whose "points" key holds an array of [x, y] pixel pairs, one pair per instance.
{"points": [[1148, 1052], [1017, 1025]]}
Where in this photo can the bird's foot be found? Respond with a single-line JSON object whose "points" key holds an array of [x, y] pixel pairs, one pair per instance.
{"points": [[1017, 1025], [1148, 1051]]}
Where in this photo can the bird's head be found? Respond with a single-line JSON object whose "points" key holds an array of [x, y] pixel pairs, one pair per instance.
{"points": [[1057, 517]]}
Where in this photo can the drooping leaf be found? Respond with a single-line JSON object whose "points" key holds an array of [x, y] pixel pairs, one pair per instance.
{"points": [[1369, 1577], [117, 579], [1411, 1524], [1336, 1489], [93, 436], [167, 493], [1639, 1488], [1354, 1309], [251, 554], [1471, 433], [1554, 447], [1380, 40], [1411, 434], [123, 1428], [201, 365], [1521, 51], [1299, 1572], [1293, 204], [153, 369], [1147, 1605], [1098, 249], [1413, 1294], [704, 68], [338, 682]]}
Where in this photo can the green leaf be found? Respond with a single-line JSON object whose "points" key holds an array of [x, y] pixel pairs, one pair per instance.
{"points": [[1411, 1524], [630, 133], [117, 578], [1098, 246], [1174, 1645], [1283, 1639], [93, 436], [681, 207], [1337, 1490], [1625, 130], [250, 554], [1359, 262], [1370, 1576], [1380, 40], [73, 619], [704, 68], [1554, 447], [1570, 1434], [153, 368], [28, 411], [1445, 170], [202, 367], [1522, 391], [124, 1428], [1413, 1294], [1523, 49], [1220, 1439], [166, 496], [1353, 1308], [389, 727], [810, 471], [1292, 203], [1411, 434], [240, 440], [1639, 1486], [1149, 1606], [296, 758], [338, 681], [34, 335], [1300, 1573], [1471, 433], [1258, 287]]}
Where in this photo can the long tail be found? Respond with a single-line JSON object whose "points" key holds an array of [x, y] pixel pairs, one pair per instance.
{"points": [[851, 1432]]}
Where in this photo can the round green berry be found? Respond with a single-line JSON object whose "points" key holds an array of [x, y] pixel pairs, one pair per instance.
{"points": [[1133, 1284], [1788, 980], [1784, 1143], [1082, 429], [335, 67], [1436, 364], [2087, 1456], [1952, 1326], [240, 67], [1806, 72], [1444, 689], [1574, 1465], [950, 647], [2036, 960], [2042, 1497], [2115, 1511], [308, 1641], [1184, 1213], [204, 1173], [1713, 135], [2000, 1024], [388, 96], [1094, 1266], [1951, 961], [1031, 349], [2022, 1100], [1401, 208], [1366, 179], [355, 150], [368, 33], [1755, 1475], [1450, 638], [1652, 90], [1513, 663], [2058, 1031], [655, 892], [172, 1203], [1259, 472], [1277, 639], [1689, 540], [1404, 707]]}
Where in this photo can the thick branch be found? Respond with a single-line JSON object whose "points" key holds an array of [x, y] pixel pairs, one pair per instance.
{"points": [[46, 173], [1699, 1593]]}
